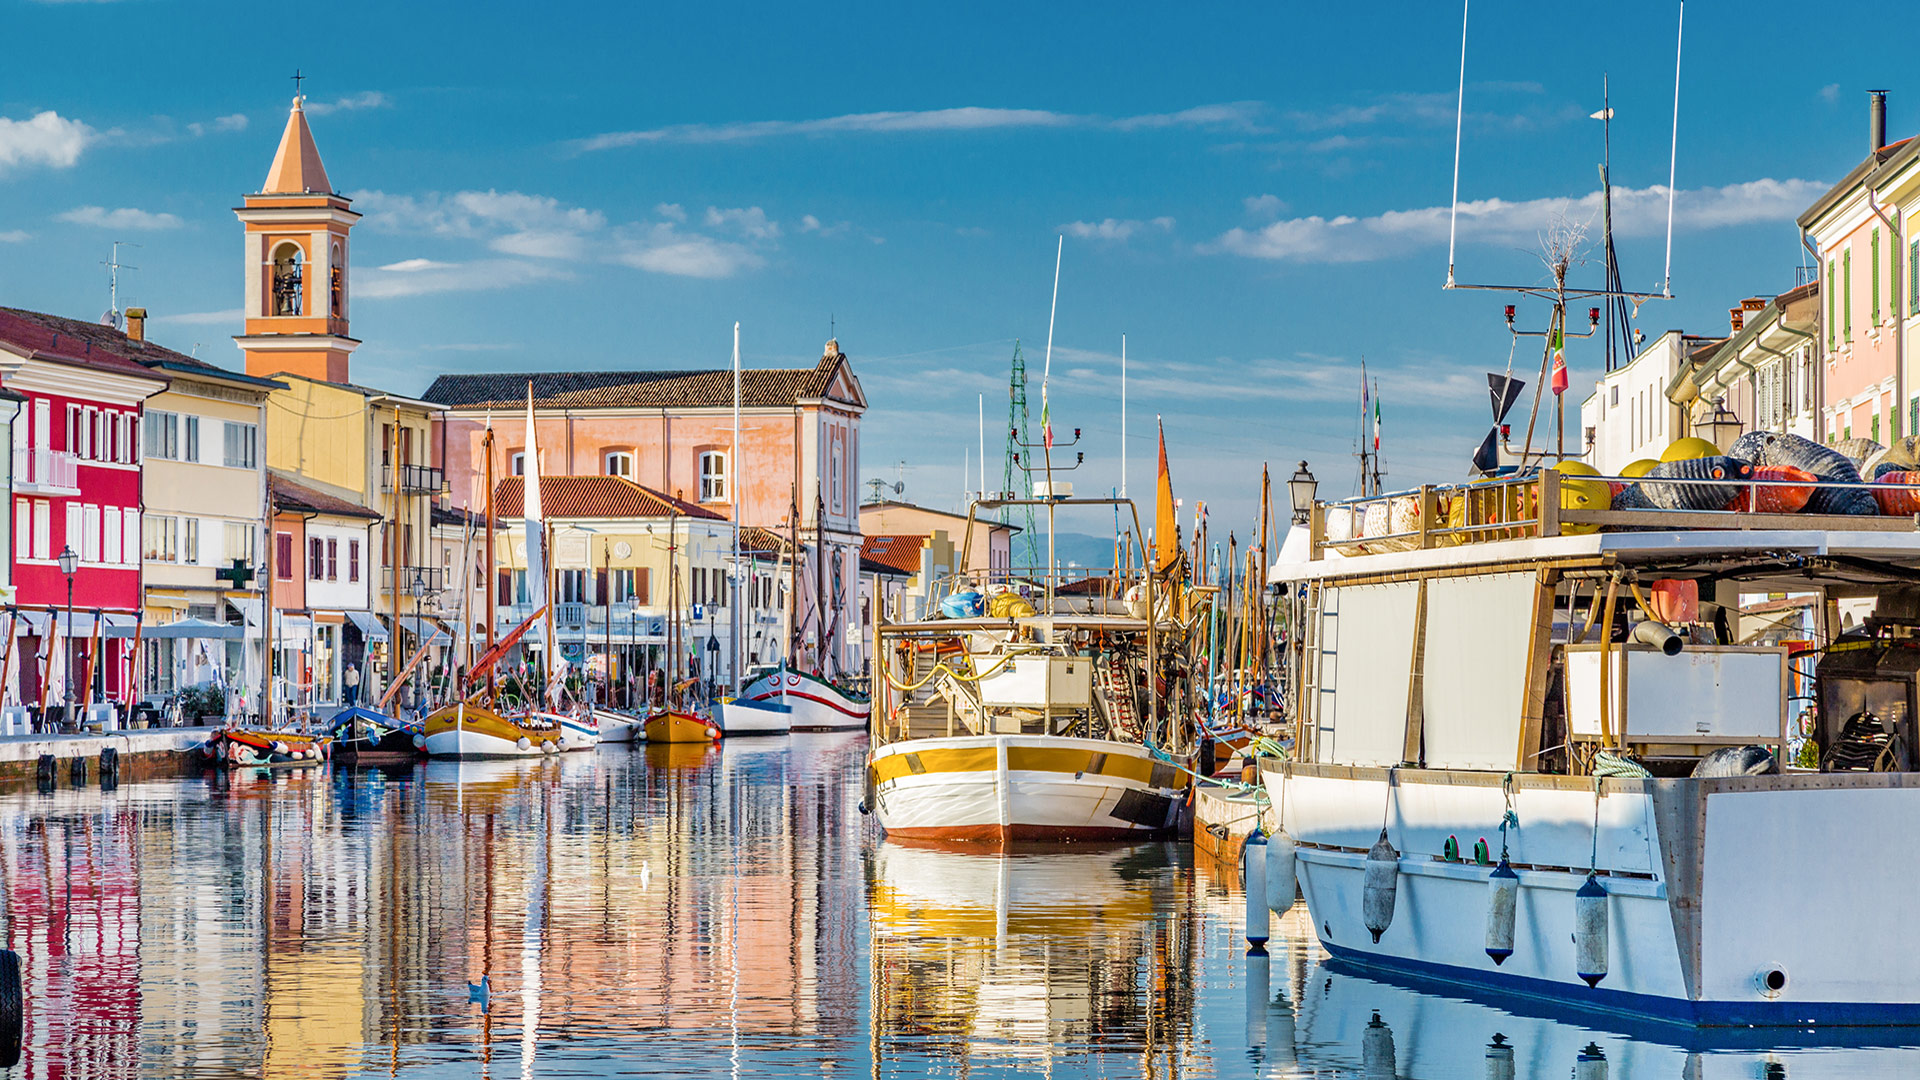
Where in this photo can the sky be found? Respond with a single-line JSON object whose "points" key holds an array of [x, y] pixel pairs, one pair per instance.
{"points": [[1255, 196]]}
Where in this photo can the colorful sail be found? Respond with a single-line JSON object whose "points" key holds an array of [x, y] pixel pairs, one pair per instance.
{"points": [[1166, 528]]}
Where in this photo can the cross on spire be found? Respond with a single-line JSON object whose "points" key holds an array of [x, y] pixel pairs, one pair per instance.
{"points": [[297, 78]]}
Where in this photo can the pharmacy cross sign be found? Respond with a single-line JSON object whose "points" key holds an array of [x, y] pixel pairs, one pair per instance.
{"points": [[239, 573]]}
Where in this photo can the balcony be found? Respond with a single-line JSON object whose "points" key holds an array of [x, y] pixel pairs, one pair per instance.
{"points": [[416, 580], [414, 479], [38, 470], [570, 615]]}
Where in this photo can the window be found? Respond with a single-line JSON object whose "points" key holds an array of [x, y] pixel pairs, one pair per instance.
{"points": [[23, 527], [719, 588], [1616, 394], [1913, 277], [1873, 427], [316, 559], [283, 556], [620, 463], [241, 449], [1846, 295], [517, 465], [89, 545], [619, 585], [1873, 252], [163, 435], [337, 285], [162, 538], [190, 541], [239, 542], [1833, 324], [353, 560], [643, 585], [333, 558], [42, 529], [192, 447], [713, 476], [836, 468], [288, 261], [572, 587]]}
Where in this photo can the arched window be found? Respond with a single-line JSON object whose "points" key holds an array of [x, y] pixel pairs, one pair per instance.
{"points": [[288, 263], [337, 288], [620, 463]]}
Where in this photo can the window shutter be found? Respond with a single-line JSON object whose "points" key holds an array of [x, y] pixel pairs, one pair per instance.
{"points": [[643, 585], [506, 587], [600, 593]]}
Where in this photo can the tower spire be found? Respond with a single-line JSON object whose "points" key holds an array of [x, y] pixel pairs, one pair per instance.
{"points": [[296, 168]]}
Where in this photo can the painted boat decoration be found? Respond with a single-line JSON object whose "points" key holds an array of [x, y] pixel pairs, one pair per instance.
{"points": [[679, 727], [739, 717], [467, 729], [363, 736], [817, 704], [578, 731], [239, 747]]}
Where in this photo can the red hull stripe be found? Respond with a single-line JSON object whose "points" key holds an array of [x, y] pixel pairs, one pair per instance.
{"points": [[810, 697]]}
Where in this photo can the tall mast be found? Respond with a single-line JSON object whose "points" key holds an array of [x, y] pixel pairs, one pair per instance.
{"points": [[266, 616], [739, 494], [793, 581], [486, 445], [820, 583]]}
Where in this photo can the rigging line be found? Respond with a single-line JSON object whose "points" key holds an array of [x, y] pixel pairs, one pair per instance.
{"points": [[1673, 153], [1459, 116], [1046, 366]]}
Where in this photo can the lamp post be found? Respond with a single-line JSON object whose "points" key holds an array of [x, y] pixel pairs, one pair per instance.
{"points": [[69, 564], [1300, 488], [1721, 427]]}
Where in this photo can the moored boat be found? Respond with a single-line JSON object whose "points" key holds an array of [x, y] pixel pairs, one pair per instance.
{"points": [[236, 747], [674, 726], [578, 730], [742, 717], [816, 703], [468, 729], [363, 736], [619, 727]]}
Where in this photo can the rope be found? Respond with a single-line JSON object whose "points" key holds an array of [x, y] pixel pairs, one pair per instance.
{"points": [[1609, 763], [941, 666], [1508, 819]]}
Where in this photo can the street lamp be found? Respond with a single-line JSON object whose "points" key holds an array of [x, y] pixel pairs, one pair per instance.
{"points": [[1721, 427], [1300, 488], [69, 564]]}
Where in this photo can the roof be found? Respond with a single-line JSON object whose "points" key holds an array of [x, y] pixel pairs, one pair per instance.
{"points": [[898, 552], [451, 515], [759, 387], [1905, 148], [594, 497], [895, 504], [761, 540], [363, 391], [295, 496], [75, 341], [296, 168]]}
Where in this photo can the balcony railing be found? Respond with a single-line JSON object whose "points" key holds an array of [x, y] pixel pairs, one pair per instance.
{"points": [[414, 479], [40, 470], [416, 580]]}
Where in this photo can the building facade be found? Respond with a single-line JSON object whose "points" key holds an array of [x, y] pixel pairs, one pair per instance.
{"points": [[989, 553]]}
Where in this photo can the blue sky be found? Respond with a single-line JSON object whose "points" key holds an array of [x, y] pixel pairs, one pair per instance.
{"points": [[1255, 195]]}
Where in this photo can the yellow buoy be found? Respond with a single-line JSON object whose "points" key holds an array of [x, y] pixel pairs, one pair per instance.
{"points": [[1688, 449], [1638, 468], [1579, 493]]}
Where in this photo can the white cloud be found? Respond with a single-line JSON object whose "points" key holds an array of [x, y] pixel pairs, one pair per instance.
{"points": [[202, 318], [420, 277], [671, 211], [365, 99], [15, 236], [219, 125], [811, 224], [1113, 229], [125, 217], [1636, 212], [1233, 116], [46, 139], [663, 249], [750, 221], [1830, 93], [1264, 206]]}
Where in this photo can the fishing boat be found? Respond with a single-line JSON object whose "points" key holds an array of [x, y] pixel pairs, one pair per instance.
{"points": [[470, 729], [678, 726], [579, 730], [815, 703], [363, 736], [740, 716], [238, 747]]}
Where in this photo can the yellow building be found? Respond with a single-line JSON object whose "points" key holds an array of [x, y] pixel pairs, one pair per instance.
{"points": [[323, 430]]}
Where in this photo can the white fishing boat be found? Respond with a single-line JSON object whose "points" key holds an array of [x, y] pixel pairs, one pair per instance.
{"points": [[1612, 699], [815, 704], [742, 717], [619, 727], [579, 730]]}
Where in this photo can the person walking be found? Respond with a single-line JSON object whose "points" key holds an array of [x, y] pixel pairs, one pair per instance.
{"points": [[351, 680]]}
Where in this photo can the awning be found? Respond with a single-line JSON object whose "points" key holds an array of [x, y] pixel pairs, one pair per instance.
{"points": [[287, 629], [196, 629], [370, 628], [174, 600], [426, 631], [80, 624], [333, 618]]}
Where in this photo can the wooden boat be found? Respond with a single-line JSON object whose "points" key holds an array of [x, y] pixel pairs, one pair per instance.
{"points": [[817, 704], [469, 729], [619, 727], [363, 736], [742, 717], [578, 731], [669, 726], [240, 747]]}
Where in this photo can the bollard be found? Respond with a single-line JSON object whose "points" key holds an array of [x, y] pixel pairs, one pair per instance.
{"points": [[1259, 983], [77, 772], [1253, 864], [43, 774], [109, 769]]}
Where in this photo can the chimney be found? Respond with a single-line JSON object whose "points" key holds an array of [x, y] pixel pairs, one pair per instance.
{"points": [[1737, 317], [136, 324], [1876, 121]]}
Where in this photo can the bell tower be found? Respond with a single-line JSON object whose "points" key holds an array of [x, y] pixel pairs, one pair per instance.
{"points": [[296, 297]]}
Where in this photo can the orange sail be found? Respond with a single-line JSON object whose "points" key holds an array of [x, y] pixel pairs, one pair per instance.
{"points": [[1166, 530]]}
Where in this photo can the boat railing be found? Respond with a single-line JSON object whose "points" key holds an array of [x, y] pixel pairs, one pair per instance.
{"points": [[1544, 505]]}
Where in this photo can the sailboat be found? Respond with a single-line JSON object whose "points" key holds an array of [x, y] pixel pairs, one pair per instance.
{"points": [[814, 702], [474, 727], [673, 722]]}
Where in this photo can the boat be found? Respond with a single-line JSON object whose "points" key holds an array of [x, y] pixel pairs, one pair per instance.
{"points": [[471, 729], [816, 703], [740, 716], [363, 736], [578, 730], [238, 747], [677, 726], [618, 726], [1687, 802]]}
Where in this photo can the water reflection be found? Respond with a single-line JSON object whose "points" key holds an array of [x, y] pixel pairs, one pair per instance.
{"points": [[700, 911]]}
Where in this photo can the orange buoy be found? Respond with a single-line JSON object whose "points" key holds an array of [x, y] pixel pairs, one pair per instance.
{"points": [[1783, 499], [1897, 501]]}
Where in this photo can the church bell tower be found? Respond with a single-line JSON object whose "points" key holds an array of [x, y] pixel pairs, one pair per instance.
{"points": [[296, 265]]}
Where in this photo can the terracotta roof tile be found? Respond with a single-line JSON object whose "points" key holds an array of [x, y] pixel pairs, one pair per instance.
{"points": [[897, 552], [292, 495], [759, 388], [593, 497], [77, 341]]}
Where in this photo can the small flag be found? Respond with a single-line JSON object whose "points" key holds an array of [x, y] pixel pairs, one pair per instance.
{"points": [[1376, 423], [1559, 363], [1046, 417]]}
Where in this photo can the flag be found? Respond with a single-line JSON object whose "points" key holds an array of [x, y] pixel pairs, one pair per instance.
{"points": [[1559, 363], [1166, 529], [1046, 417], [1376, 423]]}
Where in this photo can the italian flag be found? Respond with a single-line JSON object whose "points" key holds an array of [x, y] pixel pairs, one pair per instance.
{"points": [[1559, 363]]}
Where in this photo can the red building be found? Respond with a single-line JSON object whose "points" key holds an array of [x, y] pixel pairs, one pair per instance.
{"points": [[76, 485]]}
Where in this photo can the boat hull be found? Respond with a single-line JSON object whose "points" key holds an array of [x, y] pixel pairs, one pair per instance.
{"points": [[471, 731], [620, 727], [1015, 788], [1713, 886], [817, 704], [754, 718], [576, 733], [235, 748], [365, 737], [674, 727]]}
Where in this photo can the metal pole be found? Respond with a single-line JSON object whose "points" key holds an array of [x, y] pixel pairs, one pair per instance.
{"points": [[739, 503], [66, 667]]}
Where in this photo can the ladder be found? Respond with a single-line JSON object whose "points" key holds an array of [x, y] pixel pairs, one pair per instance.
{"points": [[964, 699], [1114, 685], [1315, 704]]}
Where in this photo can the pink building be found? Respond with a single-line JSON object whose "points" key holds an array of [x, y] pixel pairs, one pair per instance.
{"points": [[76, 484], [672, 431]]}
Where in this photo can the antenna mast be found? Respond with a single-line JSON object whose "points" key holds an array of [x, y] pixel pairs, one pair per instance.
{"points": [[114, 266], [1017, 477]]}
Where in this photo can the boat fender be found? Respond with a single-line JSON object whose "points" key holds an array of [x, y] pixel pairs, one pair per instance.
{"points": [[1253, 864], [43, 774], [419, 742], [1590, 931], [1376, 1049], [1282, 885], [1378, 887], [524, 743], [1482, 854], [1499, 1058], [1450, 850], [713, 733], [1503, 897], [12, 1009], [551, 746], [279, 747], [1591, 1064]]}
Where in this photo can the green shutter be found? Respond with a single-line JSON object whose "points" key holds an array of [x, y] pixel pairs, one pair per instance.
{"points": [[1873, 305], [1873, 428], [1913, 277], [1846, 296], [1833, 331]]}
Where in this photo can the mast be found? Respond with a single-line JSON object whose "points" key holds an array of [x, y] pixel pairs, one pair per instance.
{"points": [[486, 445], [397, 638], [793, 584], [739, 502], [820, 584], [266, 617]]}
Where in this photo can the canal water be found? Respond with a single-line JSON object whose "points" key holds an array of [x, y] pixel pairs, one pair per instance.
{"points": [[696, 911]]}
